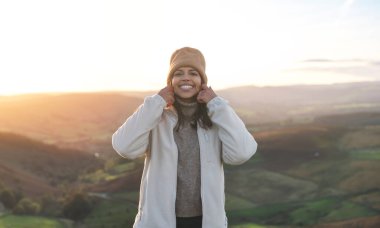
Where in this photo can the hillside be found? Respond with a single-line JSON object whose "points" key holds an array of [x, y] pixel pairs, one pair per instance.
{"points": [[302, 102], [35, 168], [82, 121], [302, 174], [315, 173], [317, 161], [86, 121]]}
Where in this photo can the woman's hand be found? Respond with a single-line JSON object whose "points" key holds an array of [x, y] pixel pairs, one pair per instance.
{"points": [[168, 94], [206, 94]]}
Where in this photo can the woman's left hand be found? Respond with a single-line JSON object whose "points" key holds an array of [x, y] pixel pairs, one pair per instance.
{"points": [[206, 94]]}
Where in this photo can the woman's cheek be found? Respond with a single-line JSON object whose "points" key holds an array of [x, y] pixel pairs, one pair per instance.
{"points": [[199, 88]]}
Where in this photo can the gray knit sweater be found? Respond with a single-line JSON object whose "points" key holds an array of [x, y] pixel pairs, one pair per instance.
{"points": [[188, 201]]}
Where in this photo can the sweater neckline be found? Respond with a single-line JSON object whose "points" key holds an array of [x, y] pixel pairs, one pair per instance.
{"points": [[186, 104], [187, 109]]}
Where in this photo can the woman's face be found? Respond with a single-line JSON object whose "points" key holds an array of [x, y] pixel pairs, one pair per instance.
{"points": [[186, 82]]}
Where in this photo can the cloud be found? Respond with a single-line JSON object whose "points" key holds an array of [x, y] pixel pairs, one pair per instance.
{"points": [[317, 60], [376, 63], [353, 68], [334, 61]]}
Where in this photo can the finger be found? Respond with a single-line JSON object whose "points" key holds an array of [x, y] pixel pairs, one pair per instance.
{"points": [[200, 100], [204, 86], [199, 95], [170, 101]]}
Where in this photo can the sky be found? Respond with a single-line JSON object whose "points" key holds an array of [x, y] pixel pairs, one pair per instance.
{"points": [[77, 45]]}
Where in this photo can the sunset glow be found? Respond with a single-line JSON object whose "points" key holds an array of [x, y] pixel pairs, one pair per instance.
{"points": [[64, 46]]}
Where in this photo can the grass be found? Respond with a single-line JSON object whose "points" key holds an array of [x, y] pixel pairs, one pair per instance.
{"points": [[364, 137], [371, 200], [29, 222], [366, 154], [250, 225], [131, 196], [349, 210], [352, 175], [122, 168], [234, 202], [262, 187], [110, 173], [329, 209], [256, 160], [311, 212], [364, 176], [112, 214], [262, 213], [97, 176]]}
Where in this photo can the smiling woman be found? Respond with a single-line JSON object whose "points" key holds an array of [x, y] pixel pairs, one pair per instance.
{"points": [[186, 132]]}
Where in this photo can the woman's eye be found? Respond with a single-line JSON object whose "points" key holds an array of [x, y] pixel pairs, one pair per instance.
{"points": [[194, 73]]}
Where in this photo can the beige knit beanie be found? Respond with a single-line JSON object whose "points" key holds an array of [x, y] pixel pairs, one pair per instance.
{"points": [[187, 57]]}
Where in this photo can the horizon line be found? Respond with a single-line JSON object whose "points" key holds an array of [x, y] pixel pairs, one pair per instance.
{"points": [[152, 90]]}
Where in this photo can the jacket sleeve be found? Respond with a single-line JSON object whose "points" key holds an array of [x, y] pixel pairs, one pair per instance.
{"points": [[132, 138], [238, 145]]}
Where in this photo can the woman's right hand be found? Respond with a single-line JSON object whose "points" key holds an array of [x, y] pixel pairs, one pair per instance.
{"points": [[168, 94]]}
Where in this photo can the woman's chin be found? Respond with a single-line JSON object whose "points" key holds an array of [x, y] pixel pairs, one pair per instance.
{"points": [[187, 98]]}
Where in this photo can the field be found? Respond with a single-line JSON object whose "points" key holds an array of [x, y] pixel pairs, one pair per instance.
{"points": [[30, 222], [311, 169], [323, 180], [113, 212]]}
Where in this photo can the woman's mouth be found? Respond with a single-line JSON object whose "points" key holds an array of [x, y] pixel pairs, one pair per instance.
{"points": [[186, 87]]}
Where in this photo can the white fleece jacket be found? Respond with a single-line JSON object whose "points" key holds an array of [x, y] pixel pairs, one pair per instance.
{"points": [[227, 141]]}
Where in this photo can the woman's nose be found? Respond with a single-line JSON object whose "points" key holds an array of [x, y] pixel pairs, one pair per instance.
{"points": [[186, 77]]}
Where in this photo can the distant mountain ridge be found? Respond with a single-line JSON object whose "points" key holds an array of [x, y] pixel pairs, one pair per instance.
{"points": [[86, 121], [269, 104], [317, 172], [306, 94]]}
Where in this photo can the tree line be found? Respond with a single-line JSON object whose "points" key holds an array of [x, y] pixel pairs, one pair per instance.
{"points": [[74, 205]]}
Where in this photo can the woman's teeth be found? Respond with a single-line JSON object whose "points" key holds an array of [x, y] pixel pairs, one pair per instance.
{"points": [[186, 87]]}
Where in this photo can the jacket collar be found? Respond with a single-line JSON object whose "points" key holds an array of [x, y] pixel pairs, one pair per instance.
{"points": [[172, 113]]}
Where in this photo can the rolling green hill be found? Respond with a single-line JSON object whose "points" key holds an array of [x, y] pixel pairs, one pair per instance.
{"points": [[317, 173], [35, 168], [311, 169], [302, 175]]}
